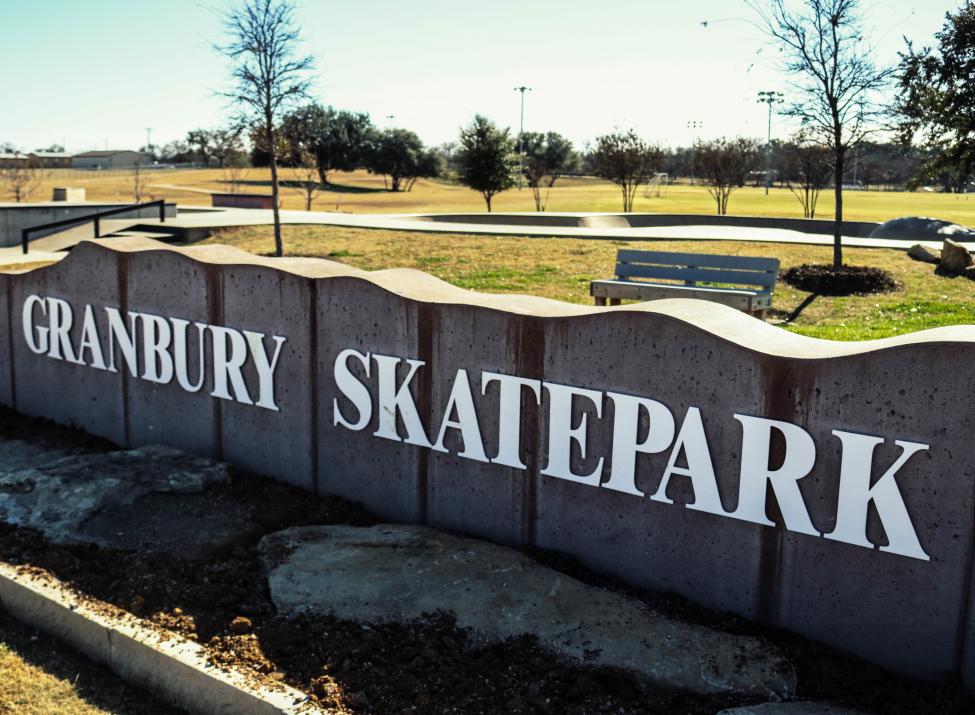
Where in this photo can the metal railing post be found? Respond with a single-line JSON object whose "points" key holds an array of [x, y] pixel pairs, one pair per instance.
{"points": [[24, 240], [162, 212], [98, 227]]}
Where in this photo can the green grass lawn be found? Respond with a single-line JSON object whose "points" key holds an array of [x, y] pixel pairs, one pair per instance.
{"points": [[562, 268]]}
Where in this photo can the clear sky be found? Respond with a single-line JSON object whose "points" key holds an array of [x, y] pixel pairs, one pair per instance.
{"points": [[101, 71]]}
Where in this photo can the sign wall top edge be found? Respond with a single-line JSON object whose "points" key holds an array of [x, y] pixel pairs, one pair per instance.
{"points": [[721, 321]]}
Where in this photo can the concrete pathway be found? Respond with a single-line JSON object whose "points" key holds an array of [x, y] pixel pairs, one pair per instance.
{"points": [[196, 218]]}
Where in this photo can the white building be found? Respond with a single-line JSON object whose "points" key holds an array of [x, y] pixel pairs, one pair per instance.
{"points": [[110, 159]]}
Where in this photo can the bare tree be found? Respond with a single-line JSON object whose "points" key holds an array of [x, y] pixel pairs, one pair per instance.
{"points": [[21, 177], [807, 168], [724, 165], [268, 74], [140, 182], [626, 160], [233, 176], [307, 183], [826, 51]]}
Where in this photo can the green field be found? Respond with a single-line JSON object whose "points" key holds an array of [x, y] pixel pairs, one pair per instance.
{"points": [[562, 268]]}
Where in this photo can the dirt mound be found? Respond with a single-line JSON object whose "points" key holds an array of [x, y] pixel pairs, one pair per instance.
{"points": [[845, 280]]}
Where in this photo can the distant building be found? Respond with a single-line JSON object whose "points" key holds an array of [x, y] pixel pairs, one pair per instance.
{"points": [[51, 159], [111, 159], [8, 160]]}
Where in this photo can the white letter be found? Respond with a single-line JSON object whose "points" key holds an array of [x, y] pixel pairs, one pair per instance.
{"points": [[856, 494], [40, 346], [561, 433], [126, 340], [622, 475], [225, 366], [509, 415], [90, 341], [61, 320], [694, 443], [462, 401], [353, 389], [395, 401], [157, 363], [265, 367], [180, 353], [800, 456]]}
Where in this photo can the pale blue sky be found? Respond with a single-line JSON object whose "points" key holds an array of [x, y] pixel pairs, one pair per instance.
{"points": [[99, 71]]}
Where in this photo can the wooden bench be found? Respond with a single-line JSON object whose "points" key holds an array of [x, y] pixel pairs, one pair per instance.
{"points": [[743, 282]]}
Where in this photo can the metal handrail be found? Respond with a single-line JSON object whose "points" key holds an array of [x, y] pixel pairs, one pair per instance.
{"points": [[95, 217]]}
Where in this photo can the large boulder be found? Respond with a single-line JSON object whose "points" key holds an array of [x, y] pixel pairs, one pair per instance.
{"points": [[399, 573], [920, 252], [921, 228], [955, 258], [800, 708], [151, 498]]}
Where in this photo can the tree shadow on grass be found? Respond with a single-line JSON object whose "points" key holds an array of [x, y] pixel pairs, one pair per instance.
{"points": [[790, 317]]}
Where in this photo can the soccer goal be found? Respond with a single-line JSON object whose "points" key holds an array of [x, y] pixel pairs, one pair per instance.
{"points": [[657, 186]]}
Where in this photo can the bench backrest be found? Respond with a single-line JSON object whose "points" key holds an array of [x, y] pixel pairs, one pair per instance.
{"points": [[694, 268]]}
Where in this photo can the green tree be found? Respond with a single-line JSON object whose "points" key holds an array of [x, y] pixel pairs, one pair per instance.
{"points": [[546, 158], [338, 140], [486, 159], [218, 147], [627, 160], [400, 155], [937, 98], [267, 74], [825, 49]]}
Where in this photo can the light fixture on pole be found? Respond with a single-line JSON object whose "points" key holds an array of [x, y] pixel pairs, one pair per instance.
{"points": [[694, 125], [521, 140], [770, 98]]}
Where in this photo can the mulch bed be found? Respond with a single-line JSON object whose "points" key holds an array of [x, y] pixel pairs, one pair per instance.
{"points": [[426, 667], [845, 280]]}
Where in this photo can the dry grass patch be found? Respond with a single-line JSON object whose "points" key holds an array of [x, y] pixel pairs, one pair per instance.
{"points": [[361, 192], [39, 676]]}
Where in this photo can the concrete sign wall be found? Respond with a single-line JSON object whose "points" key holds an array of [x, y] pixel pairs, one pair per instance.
{"points": [[822, 487]]}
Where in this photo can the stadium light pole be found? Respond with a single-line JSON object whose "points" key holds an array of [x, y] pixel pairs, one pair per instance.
{"points": [[694, 125], [770, 98], [521, 141]]}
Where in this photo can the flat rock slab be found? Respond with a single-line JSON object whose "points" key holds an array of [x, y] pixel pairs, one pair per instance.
{"points": [[154, 497], [399, 573], [18, 454], [807, 708]]}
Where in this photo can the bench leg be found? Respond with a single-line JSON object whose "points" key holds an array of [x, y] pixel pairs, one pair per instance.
{"points": [[599, 300], [614, 301], [760, 314]]}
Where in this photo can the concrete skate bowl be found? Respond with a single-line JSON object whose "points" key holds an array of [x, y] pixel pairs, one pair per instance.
{"points": [[859, 229]]}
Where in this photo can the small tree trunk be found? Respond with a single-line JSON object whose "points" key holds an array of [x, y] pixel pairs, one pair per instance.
{"points": [[838, 221], [487, 200], [269, 135]]}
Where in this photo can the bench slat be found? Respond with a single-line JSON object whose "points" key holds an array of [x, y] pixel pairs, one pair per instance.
{"points": [[756, 263], [697, 275]]}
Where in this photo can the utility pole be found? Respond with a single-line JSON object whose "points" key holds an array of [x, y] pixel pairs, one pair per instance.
{"points": [[770, 98], [694, 125], [149, 140], [521, 141]]}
